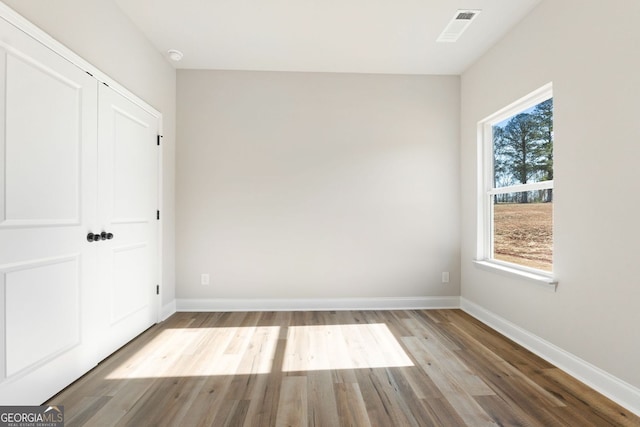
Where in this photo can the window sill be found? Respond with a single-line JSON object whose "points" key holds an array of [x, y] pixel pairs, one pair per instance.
{"points": [[542, 279]]}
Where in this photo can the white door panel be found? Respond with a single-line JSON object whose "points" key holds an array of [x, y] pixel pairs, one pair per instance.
{"points": [[134, 164], [56, 327], [127, 297], [128, 199], [48, 157], [42, 151]]}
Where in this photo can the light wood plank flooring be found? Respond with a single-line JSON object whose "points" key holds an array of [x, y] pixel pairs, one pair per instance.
{"points": [[354, 368]]}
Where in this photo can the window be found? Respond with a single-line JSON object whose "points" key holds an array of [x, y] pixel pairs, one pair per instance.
{"points": [[516, 194]]}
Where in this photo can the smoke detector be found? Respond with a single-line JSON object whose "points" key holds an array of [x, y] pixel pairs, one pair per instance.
{"points": [[461, 20], [174, 55]]}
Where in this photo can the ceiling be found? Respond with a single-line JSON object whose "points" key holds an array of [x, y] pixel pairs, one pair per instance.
{"points": [[353, 36]]}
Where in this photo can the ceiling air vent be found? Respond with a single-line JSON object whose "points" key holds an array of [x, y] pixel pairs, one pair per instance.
{"points": [[458, 24]]}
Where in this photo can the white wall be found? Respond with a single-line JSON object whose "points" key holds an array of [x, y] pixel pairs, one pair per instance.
{"points": [[100, 33], [305, 185], [589, 50]]}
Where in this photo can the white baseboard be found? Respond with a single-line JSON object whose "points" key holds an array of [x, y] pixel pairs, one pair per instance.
{"points": [[615, 389], [317, 304], [168, 310]]}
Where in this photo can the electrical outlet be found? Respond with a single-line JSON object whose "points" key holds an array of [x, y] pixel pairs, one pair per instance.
{"points": [[204, 279], [445, 277]]}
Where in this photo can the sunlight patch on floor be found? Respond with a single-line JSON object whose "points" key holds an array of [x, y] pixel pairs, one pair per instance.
{"points": [[202, 352], [312, 348], [193, 352]]}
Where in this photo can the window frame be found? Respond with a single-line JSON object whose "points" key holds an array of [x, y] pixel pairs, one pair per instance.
{"points": [[487, 190]]}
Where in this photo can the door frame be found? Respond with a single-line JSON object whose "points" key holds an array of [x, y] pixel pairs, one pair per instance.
{"points": [[18, 21]]}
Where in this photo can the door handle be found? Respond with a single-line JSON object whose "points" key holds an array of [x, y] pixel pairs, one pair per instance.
{"points": [[97, 237]]}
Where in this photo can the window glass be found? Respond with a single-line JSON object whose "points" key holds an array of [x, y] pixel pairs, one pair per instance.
{"points": [[523, 231], [523, 146]]}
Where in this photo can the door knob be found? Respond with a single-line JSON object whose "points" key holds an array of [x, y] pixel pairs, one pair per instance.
{"points": [[106, 236], [97, 237]]}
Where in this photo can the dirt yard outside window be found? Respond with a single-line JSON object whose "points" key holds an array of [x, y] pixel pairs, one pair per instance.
{"points": [[523, 234]]}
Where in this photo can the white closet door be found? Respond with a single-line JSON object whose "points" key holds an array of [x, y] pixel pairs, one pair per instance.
{"points": [[128, 198], [48, 110]]}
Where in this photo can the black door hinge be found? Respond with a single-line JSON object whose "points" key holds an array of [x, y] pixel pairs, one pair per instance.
{"points": [[157, 289], [159, 138], [158, 215]]}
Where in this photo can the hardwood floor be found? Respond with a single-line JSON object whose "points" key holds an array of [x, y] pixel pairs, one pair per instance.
{"points": [[356, 368]]}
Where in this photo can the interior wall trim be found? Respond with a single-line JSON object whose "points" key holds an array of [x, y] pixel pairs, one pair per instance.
{"points": [[317, 304], [603, 382], [167, 310]]}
